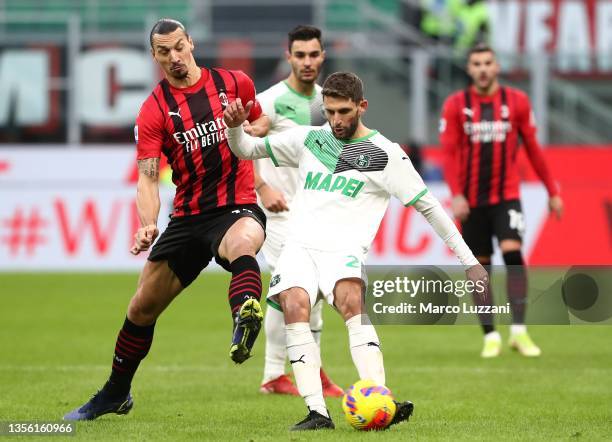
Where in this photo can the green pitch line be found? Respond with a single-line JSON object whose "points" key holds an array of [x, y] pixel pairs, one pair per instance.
{"points": [[57, 334]]}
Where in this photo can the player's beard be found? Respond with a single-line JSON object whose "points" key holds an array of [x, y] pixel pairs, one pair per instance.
{"points": [[349, 131], [179, 74], [310, 80], [302, 79]]}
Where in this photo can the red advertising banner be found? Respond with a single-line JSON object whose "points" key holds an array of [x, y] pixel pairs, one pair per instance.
{"points": [[58, 212], [584, 234]]}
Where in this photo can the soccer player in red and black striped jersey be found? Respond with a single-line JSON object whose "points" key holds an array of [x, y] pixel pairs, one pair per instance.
{"points": [[215, 208], [479, 132]]}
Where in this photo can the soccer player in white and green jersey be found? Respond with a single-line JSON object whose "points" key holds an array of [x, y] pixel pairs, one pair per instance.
{"points": [[295, 101], [347, 174]]}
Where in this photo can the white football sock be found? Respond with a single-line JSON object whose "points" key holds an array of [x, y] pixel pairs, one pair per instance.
{"points": [[365, 349], [492, 336], [316, 322], [517, 329], [303, 354], [276, 345]]}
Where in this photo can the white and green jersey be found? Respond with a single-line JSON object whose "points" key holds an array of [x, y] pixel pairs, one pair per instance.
{"points": [[343, 187], [287, 109]]}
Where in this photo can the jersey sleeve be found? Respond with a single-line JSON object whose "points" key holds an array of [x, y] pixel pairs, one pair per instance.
{"points": [[286, 148], [527, 130], [246, 92], [266, 101], [450, 139], [400, 178], [525, 119], [149, 130]]}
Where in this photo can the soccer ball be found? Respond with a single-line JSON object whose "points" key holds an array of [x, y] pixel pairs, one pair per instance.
{"points": [[368, 406]]}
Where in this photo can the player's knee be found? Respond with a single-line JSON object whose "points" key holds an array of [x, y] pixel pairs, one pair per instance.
{"points": [[349, 305], [141, 311], [296, 308], [243, 242], [347, 297]]}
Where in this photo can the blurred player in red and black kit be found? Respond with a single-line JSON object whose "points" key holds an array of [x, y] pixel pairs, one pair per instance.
{"points": [[215, 208], [479, 133]]}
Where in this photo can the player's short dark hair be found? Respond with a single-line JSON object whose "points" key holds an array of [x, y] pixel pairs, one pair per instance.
{"points": [[166, 26], [304, 33], [343, 85], [479, 48]]}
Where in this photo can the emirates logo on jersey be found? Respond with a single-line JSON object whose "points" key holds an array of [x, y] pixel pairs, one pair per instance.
{"points": [[204, 134], [487, 131]]}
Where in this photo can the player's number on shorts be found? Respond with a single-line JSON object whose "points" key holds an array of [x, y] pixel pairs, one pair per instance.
{"points": [[517, 221], [353, 261]]}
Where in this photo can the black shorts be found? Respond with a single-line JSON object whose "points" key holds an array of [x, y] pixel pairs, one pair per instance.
{"points": [[504, 221], [189, 243]]}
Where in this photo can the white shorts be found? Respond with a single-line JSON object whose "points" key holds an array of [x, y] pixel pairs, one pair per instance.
{"points": [[315, 271], [276, 232]]}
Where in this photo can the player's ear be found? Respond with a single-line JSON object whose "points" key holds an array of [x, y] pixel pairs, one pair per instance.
{"points": [[190, 40], [363, 105], [323, 54], [287, 55]]}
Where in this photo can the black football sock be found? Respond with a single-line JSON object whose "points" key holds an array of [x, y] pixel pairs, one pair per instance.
{"points": [[516, 285], [486, 319], [133, 344], [245, 283]]}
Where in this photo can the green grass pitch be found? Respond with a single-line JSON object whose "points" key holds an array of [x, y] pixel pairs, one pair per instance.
{"points": [[57, 334]]}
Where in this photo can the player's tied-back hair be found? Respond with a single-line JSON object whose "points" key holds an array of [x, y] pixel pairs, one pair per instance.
{"points": [[166, 26], [304, 33], [343, 85]]}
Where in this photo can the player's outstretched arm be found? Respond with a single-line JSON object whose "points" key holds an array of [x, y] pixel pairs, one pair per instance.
{"points": [[401, 180], [285, 149], [437, 217], [243, 145], [147, 203]]}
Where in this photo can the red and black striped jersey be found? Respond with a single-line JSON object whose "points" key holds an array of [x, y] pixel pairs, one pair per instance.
{"points": [[186, 124], [480, 140]]}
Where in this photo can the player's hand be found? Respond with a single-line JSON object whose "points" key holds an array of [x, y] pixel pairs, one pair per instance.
{"points": [[235, 114], [272, 199], [460, 207], [555, 205], [256, 130], [248, 128], [143, 238], [479, 276]]}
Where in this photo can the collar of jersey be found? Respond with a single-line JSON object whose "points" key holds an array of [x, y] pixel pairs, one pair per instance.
{"points": [[194, 87], [308, 97], [485, 98], [357, 140]]}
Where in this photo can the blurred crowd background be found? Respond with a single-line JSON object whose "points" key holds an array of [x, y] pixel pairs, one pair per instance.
{"points": [[76, 72]]}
